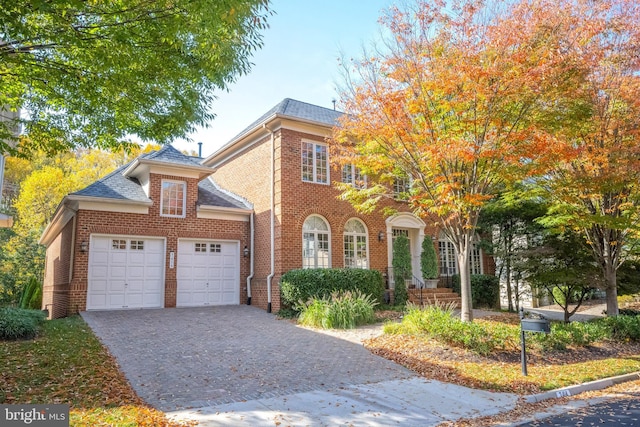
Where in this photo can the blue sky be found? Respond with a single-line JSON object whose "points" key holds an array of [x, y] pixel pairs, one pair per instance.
{"points": [[299, 60]]}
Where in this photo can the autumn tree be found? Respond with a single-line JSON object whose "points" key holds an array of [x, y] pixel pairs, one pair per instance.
{"points": [[595, 189], [451, 101], [93, 73], [41, 188]]}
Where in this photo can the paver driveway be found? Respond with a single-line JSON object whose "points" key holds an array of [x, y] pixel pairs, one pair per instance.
{"points": [[194, 357]]}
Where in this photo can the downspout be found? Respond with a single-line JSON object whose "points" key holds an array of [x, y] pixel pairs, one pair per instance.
{"points": [[251, 240], [273, 219]]}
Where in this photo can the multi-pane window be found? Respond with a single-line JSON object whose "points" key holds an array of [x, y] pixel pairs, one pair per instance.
{"points": [[118, 244], [355, 244], [401, 186], [315, 243], [137, 245], [449, 262], [200, 247], [173, 198], [352, 175], [215, 248], [315, 162]]}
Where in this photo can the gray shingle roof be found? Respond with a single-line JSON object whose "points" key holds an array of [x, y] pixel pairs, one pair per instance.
{"points": [[210, 194], [115, 186], [169, 154], [119, 187], [294, 109]]}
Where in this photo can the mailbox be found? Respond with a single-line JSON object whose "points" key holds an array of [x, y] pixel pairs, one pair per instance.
{"points": [[535, 325]]}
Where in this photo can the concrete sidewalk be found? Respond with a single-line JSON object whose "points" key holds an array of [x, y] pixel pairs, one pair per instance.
{"points": [[407, 402]]}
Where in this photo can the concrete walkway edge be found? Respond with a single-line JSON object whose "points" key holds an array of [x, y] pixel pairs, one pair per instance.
{"points": [[581, 388]]}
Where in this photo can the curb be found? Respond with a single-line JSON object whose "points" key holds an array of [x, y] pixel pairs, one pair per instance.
{"points": [[581, 388]]}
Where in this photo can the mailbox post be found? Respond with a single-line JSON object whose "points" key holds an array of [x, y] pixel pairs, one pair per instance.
{"points": [[530, 325]]}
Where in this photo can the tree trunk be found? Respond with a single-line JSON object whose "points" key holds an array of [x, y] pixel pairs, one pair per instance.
{"points": [[612, 291], [508, 268], [466, 311]]}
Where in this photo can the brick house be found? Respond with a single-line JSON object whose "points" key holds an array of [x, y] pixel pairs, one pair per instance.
{"points": [[287, 174], [156, 232], [169, 230]]}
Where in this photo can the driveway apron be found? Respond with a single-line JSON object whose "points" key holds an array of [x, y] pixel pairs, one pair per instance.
{"points": [[181, 358]]}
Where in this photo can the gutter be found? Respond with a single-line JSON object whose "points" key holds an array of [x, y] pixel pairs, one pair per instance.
{"points": [[273, 219], [251, 260]]}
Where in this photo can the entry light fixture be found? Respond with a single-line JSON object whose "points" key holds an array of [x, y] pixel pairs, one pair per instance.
{"points": [[381, 236], [245, 252], [84, 246]]}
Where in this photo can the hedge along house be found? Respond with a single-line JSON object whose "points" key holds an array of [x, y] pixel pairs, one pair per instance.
{"points": [[300, 222], [157, 232]]}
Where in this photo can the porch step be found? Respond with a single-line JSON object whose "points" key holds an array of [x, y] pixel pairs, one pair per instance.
{"points": [[432, 296]]}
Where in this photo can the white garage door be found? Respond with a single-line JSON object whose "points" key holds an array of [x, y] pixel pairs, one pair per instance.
{"points": [[208, 273], [125, 272]]}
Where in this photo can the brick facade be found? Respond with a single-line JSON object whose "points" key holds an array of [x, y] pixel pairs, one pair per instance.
{"points": [[67, 294], [295, 200]]}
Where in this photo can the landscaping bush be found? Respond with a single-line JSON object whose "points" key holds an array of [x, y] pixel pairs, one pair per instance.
{"points": [[18, 323], [485, 290], [305, 284], [31, 295], [623, 328], [401, 264], [343, 310], [580, 334], [439, 323]]}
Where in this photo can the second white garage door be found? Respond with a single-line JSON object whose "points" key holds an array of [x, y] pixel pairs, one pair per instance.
{"points": [[208, 273]]}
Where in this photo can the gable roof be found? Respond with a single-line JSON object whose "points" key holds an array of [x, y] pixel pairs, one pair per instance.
{"points": [[287, 109], [122, 188], [167, 156]]}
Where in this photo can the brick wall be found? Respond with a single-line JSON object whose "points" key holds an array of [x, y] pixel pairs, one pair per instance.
{"points": [[153, 225], [55, 287]]}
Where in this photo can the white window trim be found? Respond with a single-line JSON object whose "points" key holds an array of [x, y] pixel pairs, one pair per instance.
{"points": [[315, 171], [328, 232], [353, 235], [184, 198]]}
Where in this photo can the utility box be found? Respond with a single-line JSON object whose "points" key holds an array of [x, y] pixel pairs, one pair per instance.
{"points": [[535, 325]]}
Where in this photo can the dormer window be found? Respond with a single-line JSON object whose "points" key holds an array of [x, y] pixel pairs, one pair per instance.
{"points": [[173, 198]]}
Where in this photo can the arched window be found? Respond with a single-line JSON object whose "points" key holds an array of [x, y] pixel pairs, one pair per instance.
{"points": [[355, 244], [315, 243]]}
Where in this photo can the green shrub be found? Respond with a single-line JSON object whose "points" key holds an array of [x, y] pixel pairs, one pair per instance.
{"points": [[623, 328], [485, 290], [305, 284], [18, 323], [342, 310], [401, 264], [32, 295], [563, 335], [439, 323], [429, 260]]}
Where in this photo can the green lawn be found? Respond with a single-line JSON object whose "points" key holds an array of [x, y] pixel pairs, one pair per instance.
{"points": [[67, 364]]}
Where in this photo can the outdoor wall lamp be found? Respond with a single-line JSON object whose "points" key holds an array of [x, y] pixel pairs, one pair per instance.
{"points": [[245, 252], [84, 246], [381, 236]]}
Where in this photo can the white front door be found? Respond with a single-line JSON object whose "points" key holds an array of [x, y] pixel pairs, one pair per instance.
{"points": [[208, 273], [125, 272]]}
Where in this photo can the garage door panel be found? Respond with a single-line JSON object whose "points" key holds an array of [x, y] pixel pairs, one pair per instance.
{"points": [[202, 269], [125, 272], [118, 271]]}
